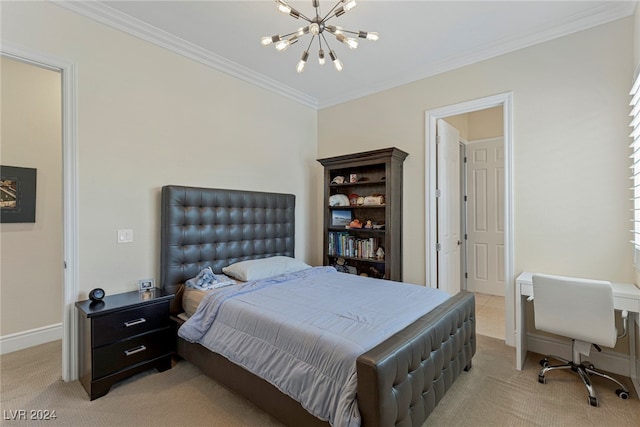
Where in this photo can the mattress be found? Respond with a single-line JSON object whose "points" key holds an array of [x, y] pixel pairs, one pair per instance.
{"points": [[303, 331]]}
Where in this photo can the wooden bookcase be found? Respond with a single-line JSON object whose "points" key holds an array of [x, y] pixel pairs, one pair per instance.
{"points": [[370, 173]]}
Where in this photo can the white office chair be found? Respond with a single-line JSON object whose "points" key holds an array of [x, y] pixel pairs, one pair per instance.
{"points": [[582, 310]]}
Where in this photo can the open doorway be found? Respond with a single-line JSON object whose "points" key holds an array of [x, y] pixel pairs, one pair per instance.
{"points": [[481, 207], [501, 262], [68, 74], [481, 201], [31, 140]]}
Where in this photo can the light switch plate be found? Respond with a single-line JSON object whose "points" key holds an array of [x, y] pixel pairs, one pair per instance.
{"points": [[125, 236]]}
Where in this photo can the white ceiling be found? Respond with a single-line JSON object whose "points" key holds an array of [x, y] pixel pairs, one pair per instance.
{"points": [[417, 38]]}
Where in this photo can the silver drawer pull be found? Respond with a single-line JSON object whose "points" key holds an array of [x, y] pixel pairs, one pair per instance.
{"points": [[135, 350], [135, 322]]}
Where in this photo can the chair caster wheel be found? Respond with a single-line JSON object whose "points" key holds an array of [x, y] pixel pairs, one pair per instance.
{"points": [[593, 401], [544, 362], [622, 394], [542, 379]]}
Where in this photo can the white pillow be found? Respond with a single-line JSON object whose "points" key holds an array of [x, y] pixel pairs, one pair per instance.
{"points": [[256, 269]]}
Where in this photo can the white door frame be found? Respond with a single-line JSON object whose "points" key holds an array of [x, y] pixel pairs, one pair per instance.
{"points": [[69, 194], [506, 101]]}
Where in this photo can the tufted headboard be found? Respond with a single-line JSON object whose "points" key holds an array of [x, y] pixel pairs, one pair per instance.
{"points": [[203, 227]]}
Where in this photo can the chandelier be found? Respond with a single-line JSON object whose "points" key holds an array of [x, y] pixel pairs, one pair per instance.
{"points": [[317, 27]]}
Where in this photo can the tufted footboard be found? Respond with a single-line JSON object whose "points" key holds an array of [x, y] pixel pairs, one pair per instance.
{"points": [[401, 380]]}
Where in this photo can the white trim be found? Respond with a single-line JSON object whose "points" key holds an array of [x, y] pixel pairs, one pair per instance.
{"points": [[607, 360], [114, 18], [70, 195], [597, 16], [506, 101], [478, 141], [21, 340]]}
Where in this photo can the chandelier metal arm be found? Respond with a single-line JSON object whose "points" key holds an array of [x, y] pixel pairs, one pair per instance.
{"points": [[316, 27], [327, 17], [325, 41], [350, 32], [305, 18], [334, 58], [284, 36], [309, 46]]}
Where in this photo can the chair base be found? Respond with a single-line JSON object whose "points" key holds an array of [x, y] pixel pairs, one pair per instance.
{"points": [[584, 370]]}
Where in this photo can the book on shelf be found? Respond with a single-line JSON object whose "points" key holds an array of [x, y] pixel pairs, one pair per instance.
{"points": [[344, 244]]}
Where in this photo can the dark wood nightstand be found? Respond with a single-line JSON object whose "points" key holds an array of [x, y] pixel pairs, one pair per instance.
{"points": [[121, 336]]}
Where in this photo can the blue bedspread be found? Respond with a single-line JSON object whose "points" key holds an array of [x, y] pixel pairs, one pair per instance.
{"points": [[303, 331]]}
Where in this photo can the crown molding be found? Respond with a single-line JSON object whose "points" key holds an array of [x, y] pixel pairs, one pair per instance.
{"points": [[104, 14], [598, 15], [109, 16]]}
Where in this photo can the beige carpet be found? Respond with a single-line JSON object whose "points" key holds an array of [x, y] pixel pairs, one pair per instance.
{"points": [[491, 394]]}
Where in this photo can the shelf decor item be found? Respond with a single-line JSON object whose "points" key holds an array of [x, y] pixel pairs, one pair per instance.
{"points": [[377, 210], [340, 218]]}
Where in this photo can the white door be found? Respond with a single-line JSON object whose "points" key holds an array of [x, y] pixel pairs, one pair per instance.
{"points": [[448, 207], [485, 224]]}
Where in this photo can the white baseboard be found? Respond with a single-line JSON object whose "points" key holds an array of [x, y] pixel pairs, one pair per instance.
{"points": [[21, 340], [607, 360]]}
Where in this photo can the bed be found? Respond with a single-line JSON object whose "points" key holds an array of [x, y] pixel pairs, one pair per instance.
{"points": [[400, 380]]}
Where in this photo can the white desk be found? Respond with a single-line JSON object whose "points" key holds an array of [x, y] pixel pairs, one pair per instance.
{"points": [[626, 296]]}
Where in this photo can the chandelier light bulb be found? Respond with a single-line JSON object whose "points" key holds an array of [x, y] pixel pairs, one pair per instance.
{"points": [[266, 41], [303, 61], [283, 7], [314, 29], [283, 45], [336, 62], [349, 4], [321, 60], [286, 9], [369, 36], [352, 43]]}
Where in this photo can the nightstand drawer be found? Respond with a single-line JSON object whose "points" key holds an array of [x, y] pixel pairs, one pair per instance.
{"points": [[127, 323], [112, 358]]}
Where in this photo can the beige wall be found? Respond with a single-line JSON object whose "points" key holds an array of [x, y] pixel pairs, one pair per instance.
{"points": [[31, 253], [570, 112], [148, 117], [481, 124], [485, 124]]}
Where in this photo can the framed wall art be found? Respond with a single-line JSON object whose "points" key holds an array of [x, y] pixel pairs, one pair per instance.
{"points": [[17, 194]]}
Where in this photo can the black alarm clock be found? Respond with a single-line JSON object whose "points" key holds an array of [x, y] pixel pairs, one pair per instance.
{"points": [[96, 294]]}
